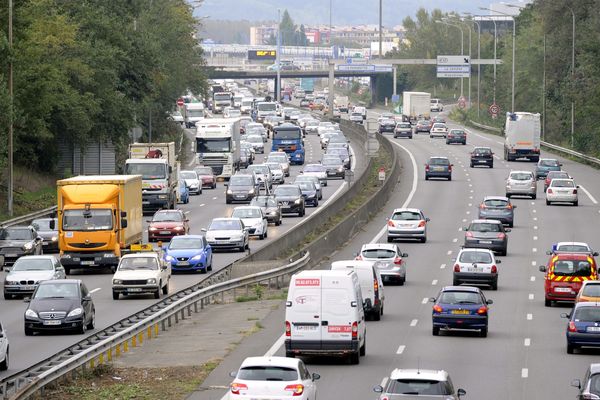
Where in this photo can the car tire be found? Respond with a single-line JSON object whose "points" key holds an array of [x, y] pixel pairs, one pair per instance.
{"points": [[449, 178], [435, 331], [533, 197], [455, 282], [576, 203], [28, 331], [547, 202], [82, 328], [227, 201], [410, 137], [363, 349], [494, 285], [165, 289], [115, 295], [401, 281], [4, 364], [492, 165], [424, 239], [570, 349], [157, 293], [377, 316], [7, 296], [290, 354], [261, 236], [92, 324], [472, 165], [503, 252], [68, 269], [547, 303], [426, 177], [278, 222], [483, 332]]}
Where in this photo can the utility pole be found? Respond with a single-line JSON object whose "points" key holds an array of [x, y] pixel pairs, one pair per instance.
{"points": [[10, 109], [277, 55], [380, 29]]}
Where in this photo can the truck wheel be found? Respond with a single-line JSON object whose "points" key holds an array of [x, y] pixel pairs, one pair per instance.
{"points": [[165, 288], [363, 348], [115, 295], [377, 315]]}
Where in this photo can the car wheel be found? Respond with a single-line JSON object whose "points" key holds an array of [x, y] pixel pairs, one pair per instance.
{"points": [[401, 281], [4, 364], [68, 270], [390, 239], [92, 324], [503, 252], [576, 203], [28, 331], [209, 266], [278, 222], [455, 282], [483, 332], [494, 285], [533, 197], [449, 178], [363, 348], [82, 328], [165, 289], [7, 296], [426, 177], [157, 292], [547, 202], [424, 239], [547, 303], [492, 165], [115, 295], [410, 137], [471, 165], [290, 354], [435, 331], [570, 348], [377, 316]]}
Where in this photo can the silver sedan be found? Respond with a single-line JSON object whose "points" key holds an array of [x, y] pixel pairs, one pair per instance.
{"points": [[521, 183], [28, 271]]}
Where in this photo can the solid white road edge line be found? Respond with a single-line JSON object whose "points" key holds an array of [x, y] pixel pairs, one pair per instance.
{"points": [[588, 194]]}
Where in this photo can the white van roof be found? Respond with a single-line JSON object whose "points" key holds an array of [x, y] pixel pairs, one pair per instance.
{"points": [[336, 265], [321, 278]]}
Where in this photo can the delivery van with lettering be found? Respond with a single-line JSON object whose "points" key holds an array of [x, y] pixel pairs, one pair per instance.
{"points": [[370, 282], [324, 315]]}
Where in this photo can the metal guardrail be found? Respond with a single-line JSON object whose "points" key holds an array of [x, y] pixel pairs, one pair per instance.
{"points": [[114, 340], [554, 147], [28, 217]]}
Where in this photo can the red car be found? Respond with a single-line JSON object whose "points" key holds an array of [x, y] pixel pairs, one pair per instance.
{"points": [[207, 177], [565, 274], [167, 223]]}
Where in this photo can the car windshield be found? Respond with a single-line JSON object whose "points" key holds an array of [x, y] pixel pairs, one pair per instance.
{"points": [[549, 163], [167, 216], [496, 203], [259, 169], [521, 176], [439, 125], [587, 314], [355, 114], [204, 171], [423, 122], [458, 297], [287, 134], [146, 170], [378, 253], [188, 175], [241, 180], [15, 234], [131, 263], [181, 242], [254, 139], [406, 216], [246, 213], [591, 290], [562, 183], [280, 158], [439, 161], [457, 132], [572, 268], [403, 126], [485, 227], [57, 290], [87, 220], [25, 264], [225, 225], [286, 191], [314, 168], [418, 387], [331, 161], [475, 257], [274, 166], [307, 186], [43, 224], [264, 201], [267, 373], [481, 150]]}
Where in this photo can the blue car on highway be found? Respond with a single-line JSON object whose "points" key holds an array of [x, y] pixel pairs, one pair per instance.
{"points": [[583, 329], [460, 307], [184, 192], [189, 253]]}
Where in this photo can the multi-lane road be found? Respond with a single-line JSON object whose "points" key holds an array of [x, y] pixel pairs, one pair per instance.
{"points": [[524, 355], [27, 350]]}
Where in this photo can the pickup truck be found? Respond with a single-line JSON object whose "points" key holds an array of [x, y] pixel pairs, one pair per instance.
{"points": [[140, 273]]}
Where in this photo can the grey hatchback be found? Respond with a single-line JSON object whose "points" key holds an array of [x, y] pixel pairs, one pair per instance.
{"points": [[438, 167], [499, 208], [487, 234]]}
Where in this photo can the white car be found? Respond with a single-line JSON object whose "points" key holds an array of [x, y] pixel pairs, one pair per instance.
{"points": [[356, 117], [281, 158], [139, 273], [176, 116], [476, 266], [263, 175], [232, 113], [276, 171], [257, 143], [254, 220], [273, 378], [572, 247], [227, 233], [4, 349], [438, 130], [420, 383], [192, 181], [562, 190], [28, 271]]}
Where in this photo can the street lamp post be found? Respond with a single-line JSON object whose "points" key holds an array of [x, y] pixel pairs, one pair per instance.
{"points": [[277, 54], [479, 60], [462, 46], [380, 29]]}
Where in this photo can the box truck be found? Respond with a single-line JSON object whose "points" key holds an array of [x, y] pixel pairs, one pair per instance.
{"points": [[522, 135], [415, 105]]}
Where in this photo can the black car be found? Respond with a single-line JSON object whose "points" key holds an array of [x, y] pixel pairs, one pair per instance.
{"points": [[245, 158], [309, 192], [290, 198], [482, 156], [456, 136], [335, 167], [423, 126], [487, 234], [342, 153], [49, 235], [18, 241], [438, 167], [387, 125], [271, 208], [241, 188], [64, 304]]}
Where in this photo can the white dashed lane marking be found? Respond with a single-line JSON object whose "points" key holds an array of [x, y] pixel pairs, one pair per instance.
{"points": [[527, 342], [414, 322], [401, 349], [524, 373]]}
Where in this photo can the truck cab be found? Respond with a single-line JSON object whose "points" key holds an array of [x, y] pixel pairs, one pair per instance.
{"points": [[288, 138]]}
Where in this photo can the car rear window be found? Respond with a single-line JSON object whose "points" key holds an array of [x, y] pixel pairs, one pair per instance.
{"points": [[484, 227], [439, 161], [405, 126], [573, 248], [418, 387], [269, 373], [482, 151], [241, 180], [557, 174], [458, 297], [521, 176], [475, 257], [457, 132], [406, 216], [572, 268], [549, 163], [591, 290], [498, 203], [588, 314], [562, 183], [378, 253]]}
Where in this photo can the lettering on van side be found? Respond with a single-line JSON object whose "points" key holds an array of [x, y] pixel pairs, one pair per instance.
{"points": [[308, 282], [339, 328]]}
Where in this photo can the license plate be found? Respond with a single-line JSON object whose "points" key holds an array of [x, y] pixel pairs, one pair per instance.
{"points": [[223, 241], [183, 264], [165, 232], [473, 269], [593, 329], [463, 312], [306, 328], [145, 202], [10, 255], [562, 290], [438, 168], [406, 225], [87, 263], [481, 161], [29, 287], [485, 241], [134, 289], [52, 322], [285, 203]]}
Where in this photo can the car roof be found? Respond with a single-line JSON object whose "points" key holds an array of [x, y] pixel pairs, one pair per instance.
{"points": [[474, 249], [388, 246], [406, 209], [436, 157], [246, 207], [270, 361], [483, 221], [180, 237], [558, 244], [418, 374], [587, 304], [38, 257], [146, 254], [70, 281], [226, 219], [472, 289], [496, 198], [523, 172]]}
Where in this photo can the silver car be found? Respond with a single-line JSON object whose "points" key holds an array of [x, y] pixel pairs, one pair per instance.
{"points": [[282, 159], [4, 348], [263, 175], [388, 259], [28, 271], [418, 383], [276, 171], [521, 183], [313, 179], [407, 223], [227, 233]]}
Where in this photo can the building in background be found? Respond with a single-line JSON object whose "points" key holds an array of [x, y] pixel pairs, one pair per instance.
{"points": [[260, 35]]}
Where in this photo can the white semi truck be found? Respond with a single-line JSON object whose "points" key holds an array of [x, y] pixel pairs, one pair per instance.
{"points": [[522, 135], [220, 101], [193, 112], [218, 145], [415, 105]]}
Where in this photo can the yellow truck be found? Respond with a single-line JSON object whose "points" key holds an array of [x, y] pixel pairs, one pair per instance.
{"points": [[99, 217]]}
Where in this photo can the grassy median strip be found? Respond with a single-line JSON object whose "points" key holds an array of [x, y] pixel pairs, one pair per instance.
{"points": [[108, 383]]}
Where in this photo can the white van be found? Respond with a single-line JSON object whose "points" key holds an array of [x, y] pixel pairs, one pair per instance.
{"points": [[370, 282], [324, 315], [361, 110]]}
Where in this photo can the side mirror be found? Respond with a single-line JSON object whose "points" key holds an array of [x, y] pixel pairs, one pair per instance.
{"points": [[595, 254], [87, 298], [564, 315], [404, 254], [378, 389], [507, 230], [353, 304], [233, 374], [52, 224], [123, 214], [432, 299], [163, 267], [427, 220], [498, 261], [26, 300], [549, 252], [226, 184], [465, 228], [576, 383], [123, 223], [542, 268], [514, 206], [489, 301], [316, 377], [461, 392], [577, 186]]}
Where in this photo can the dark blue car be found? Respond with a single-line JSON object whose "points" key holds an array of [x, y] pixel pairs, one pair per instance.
{"points": [[583, 329], [460, 307], [189, 253]]}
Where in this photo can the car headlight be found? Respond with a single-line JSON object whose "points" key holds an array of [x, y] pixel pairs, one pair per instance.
{"points": [[151, 281], [229, 191], [75, 312], [10, 283], [108, 255], [340, 169], [162, 196], [273, 213], [298, 155], [298, 201], [117, 282], [54, 238], [30, 313], [152, 228], [196, 257], [28, 246], [238, 237], [169, 258], [178, 228], [66, 256], [251, 191]]}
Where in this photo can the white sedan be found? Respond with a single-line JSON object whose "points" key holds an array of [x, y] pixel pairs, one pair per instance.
{"points": [[273, 378], [438, 130], [3, 349], [562, 190], [254, 220], [139, 273]]}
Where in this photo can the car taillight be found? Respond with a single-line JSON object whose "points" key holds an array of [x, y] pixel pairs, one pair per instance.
{"points": [[450, 168], [354, 330], [235, 387], [427, 167], [288, 329], [549, 190], [375, 285], [469, 234], [572, 327], [358, 257], [391, 223], [482, 206], [422, 223], [482, 310], [398, 261], [437, 309], [510, 206], [456, 268], [296, 389], [494, 269], [574, 191], [501, 235]]}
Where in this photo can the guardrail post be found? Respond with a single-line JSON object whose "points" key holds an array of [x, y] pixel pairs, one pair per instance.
{"points": [[189, 309], [222, 297], [176, 318], [169, 321], [202, 303], [196, 307], [163, 325]]}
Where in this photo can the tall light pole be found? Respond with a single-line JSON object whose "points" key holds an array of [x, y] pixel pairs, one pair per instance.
{"points": [[330, 18], [380, 29], [573, 79], [10, 110], [277, 54], [462, 46]]}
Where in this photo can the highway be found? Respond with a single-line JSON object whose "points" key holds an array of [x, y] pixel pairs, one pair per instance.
{"points": [[27, 350], [524, 356]]}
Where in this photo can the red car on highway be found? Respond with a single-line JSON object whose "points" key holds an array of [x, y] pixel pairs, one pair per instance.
{"points": [[207, 176], [167, 223]]}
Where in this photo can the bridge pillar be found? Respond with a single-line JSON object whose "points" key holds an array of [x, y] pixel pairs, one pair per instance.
{"points": [[373, 90]]}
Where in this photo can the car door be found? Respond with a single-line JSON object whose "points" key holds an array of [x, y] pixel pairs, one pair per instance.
{"points": [[165, 273], [307, 380], [207, 251], [86, 301], [304, 311], [60, 270], [338, 311]]}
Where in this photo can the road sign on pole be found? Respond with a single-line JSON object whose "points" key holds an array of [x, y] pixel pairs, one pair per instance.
{"points": [[453, 66], [494, 110], [180, 102]]}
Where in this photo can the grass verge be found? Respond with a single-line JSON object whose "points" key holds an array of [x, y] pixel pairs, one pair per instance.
{"points": [[32, 192]]}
